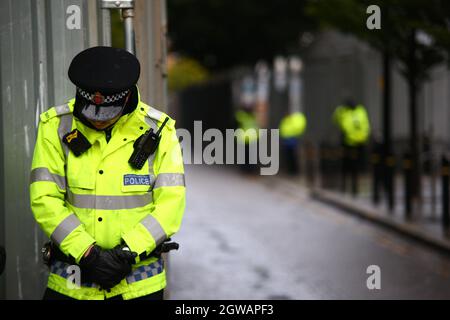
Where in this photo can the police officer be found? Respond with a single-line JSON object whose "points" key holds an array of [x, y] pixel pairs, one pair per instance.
{"points": [[107, 183], [292, 126], [247, 137], [353, 122]]}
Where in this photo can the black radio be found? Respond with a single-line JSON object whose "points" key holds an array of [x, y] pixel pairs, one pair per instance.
{"points": [[145, 146]]}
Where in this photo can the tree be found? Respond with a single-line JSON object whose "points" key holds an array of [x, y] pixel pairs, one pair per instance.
{"points": [[437, 25], [184, 72], [402, 36], [224, 33]]}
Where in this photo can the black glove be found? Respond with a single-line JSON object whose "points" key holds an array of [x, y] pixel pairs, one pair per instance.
{"points": [[166, 246], [106, 267]]}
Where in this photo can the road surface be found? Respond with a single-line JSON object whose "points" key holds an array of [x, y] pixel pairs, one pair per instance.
{"points": [[261, 238]]}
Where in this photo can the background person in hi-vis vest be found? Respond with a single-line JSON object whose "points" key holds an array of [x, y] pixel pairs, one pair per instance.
{"points": [[353, 122], [107, 184], [292, 126]]}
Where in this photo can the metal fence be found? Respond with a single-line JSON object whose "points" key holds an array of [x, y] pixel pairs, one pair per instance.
{"points": [[35, 52], [38, 39]]}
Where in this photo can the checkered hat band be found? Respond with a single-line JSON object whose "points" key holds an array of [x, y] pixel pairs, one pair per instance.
{"points": [[108, 99]]}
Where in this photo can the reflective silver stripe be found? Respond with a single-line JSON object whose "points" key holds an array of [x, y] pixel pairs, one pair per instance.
{"points": [[65, 126], [65, 228], [43, 174], [87, 201], [62, 109], [151, 158], [152, 123], [169, 180], [154, 228], [155, 114]]}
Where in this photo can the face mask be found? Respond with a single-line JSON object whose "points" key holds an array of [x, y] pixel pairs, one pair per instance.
{"points": [[96, 107]]}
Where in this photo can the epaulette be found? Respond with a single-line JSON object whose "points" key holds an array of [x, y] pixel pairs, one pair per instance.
{"points": [[55, 112], [159, 117]]}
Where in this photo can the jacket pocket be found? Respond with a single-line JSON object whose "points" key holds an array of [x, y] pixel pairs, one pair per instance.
{"points": [[81, 177]]}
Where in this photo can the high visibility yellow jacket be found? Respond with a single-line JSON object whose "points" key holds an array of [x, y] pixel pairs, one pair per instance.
{"points": [[293, 125], [99, 198], [248, 130], [354, 124]]}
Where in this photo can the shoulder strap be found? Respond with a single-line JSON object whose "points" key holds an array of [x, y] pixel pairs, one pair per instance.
{"points": [[154, 114], [55, 111], [65, 125]]}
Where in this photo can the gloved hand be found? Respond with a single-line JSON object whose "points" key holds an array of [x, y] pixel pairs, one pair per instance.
{"points": [[166, 246], [106, 267]]}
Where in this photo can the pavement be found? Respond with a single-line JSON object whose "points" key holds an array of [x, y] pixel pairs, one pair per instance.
{"points": [[424, 225], [266, 238]]}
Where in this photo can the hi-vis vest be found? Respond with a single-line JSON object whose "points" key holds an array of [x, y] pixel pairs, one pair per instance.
{"points": [[99, 198], [248, 130], [293, 125], [354, 123]]}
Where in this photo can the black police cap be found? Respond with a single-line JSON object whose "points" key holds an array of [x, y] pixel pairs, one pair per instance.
{"points": [[104, 69]]}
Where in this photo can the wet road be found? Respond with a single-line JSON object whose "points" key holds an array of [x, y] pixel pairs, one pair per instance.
{"points": [[259, 238]]}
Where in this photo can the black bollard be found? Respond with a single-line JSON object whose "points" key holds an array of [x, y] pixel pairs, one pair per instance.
{"points": [[375, 161], [445, 192], [323, 166], [309, 170], [323, 173], [389, 173], [377, 171], [337, 154], [355, 158], [407, 167], [343, 161]]}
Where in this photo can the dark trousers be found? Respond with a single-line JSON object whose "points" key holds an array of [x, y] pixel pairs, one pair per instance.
{"points": [[352, 164], [50, 294], [291, 160], [247, 167], [289, 147]]}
